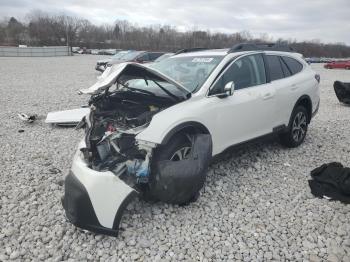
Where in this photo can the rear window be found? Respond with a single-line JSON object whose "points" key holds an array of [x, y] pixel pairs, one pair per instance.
{"points": [[144, 57], [293, 65], [274, 64], [154, 56], [132, 55]]}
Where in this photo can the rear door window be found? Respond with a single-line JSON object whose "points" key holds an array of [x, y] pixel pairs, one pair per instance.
{"points": [[285, 68], [293, 65], [276, 71]]}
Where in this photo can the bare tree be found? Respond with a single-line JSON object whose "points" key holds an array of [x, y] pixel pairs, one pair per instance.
{"points": [[42, 28]]}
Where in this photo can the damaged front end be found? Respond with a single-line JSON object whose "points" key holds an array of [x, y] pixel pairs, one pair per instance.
{"points": [[111, 166]]}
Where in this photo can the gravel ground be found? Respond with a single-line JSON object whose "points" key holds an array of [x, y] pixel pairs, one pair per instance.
{"points": [[256, 204]]}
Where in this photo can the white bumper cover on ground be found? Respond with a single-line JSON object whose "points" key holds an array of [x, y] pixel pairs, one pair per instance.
{"points": [[95, 200]]}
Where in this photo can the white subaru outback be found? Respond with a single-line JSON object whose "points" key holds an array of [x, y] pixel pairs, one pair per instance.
{"points": [[153, 129]]}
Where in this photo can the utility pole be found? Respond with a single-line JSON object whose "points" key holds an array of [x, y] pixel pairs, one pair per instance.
{"points": [[67, 33], [67, 36]]}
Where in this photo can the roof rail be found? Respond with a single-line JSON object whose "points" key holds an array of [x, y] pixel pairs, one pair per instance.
{"points": [[260, 46], [187, 50]]}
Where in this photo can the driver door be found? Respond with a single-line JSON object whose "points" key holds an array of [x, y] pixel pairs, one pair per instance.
{"points": [[249, 112]]}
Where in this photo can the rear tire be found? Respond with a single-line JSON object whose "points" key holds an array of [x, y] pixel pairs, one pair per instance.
{"points": [[297, 128]]}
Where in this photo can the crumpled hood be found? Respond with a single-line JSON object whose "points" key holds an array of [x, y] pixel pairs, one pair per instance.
{"points": [[110, 75]]}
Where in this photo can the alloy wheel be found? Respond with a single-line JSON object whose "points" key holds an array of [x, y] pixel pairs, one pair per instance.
{"points": [[181, 154], [299, 127]]}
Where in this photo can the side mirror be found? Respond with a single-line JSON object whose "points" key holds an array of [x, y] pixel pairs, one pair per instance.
{"points": [[229, 88]]}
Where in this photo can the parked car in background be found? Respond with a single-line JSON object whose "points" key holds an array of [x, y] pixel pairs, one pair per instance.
{"points": [[75, 49], [102, 64], [165, 56], [108, 51], [140, 57], [153, 129], [338, 64]]}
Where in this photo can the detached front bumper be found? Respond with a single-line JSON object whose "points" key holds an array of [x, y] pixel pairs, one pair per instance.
{"points": [[95, 200]]}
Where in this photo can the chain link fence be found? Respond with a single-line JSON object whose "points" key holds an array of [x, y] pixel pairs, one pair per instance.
{"points": [[36, 51]]}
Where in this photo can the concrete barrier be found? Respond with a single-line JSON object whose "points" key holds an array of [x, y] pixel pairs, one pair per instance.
{"points": [[36, 51]]}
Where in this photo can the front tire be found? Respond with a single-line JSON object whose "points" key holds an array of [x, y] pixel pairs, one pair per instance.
{"points": [[178, 148], [297, 128]]}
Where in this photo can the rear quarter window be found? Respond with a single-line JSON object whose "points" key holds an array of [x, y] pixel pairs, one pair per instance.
{"points": [[293, 65]]}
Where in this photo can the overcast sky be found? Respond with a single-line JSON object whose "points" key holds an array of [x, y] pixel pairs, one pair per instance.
{"points": [[327, 20]]}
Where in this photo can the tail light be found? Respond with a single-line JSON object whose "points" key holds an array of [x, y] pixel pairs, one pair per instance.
{"points": [[318, 78]]}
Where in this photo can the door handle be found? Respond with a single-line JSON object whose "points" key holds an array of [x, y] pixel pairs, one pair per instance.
{"points": [[267, 96]]}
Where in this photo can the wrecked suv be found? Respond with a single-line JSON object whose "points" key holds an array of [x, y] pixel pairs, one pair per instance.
{"points": [[152, 130]]}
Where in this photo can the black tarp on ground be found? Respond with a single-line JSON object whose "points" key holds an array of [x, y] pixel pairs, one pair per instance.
{"points": [[332, 181], [342, 91]]}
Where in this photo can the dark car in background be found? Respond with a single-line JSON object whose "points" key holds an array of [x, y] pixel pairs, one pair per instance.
{"points": [[102, 64], [165, 56], [137, 57], [338, 65]]}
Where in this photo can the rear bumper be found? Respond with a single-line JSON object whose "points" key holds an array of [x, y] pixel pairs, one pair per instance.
{"points": [[95, 200]]}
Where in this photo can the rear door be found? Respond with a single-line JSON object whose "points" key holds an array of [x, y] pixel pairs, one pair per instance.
{"points": [[339, 64], [288, 82], [342, 64]]}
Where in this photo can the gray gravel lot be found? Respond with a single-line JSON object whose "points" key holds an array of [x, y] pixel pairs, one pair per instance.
{"points": [[256, 204]]}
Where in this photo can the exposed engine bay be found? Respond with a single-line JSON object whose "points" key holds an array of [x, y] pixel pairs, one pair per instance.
{"points": [[115, 119], [113, 164]]}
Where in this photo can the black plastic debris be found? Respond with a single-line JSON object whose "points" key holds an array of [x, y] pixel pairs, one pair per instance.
{"points": [[27, 118], [179, 181], [331, 181], [54, 170], [342, 91], [20, 131]]}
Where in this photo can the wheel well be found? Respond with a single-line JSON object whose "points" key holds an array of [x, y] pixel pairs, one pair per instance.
{"points": [[305, 101], [187, 128]]}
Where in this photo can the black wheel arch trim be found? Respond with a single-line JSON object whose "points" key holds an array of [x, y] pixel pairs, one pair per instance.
{"points": [[178, 128], [304, 97]]}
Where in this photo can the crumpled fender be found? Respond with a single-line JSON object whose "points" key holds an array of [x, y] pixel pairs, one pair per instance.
{"points": [[342, 91], [178, 180]]}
